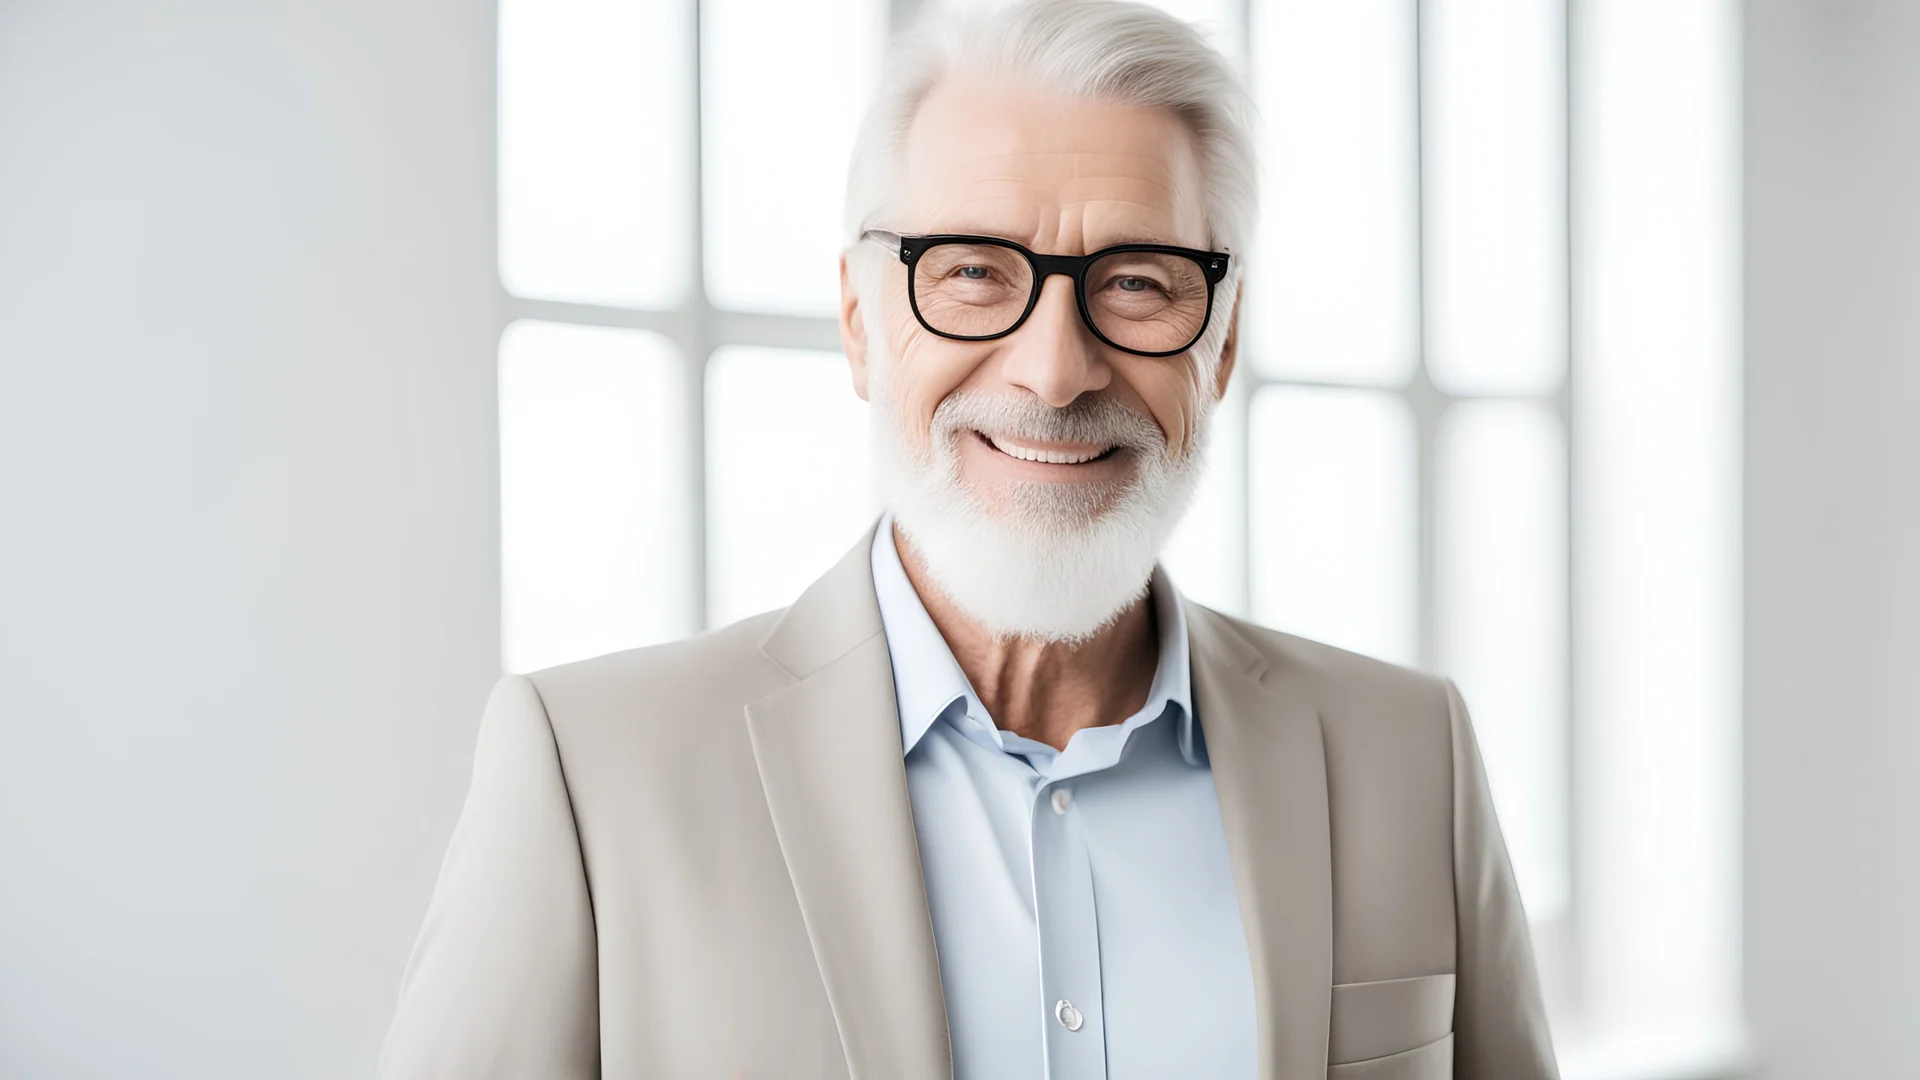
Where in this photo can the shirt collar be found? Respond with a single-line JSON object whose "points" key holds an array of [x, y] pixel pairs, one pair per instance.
{"points": [[927, 680]]}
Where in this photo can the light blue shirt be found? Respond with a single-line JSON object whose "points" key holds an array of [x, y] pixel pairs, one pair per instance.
{"points": [[1082, 900]]}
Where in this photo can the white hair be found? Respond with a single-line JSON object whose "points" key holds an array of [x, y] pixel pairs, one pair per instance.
{"points": [[1110, 50]]}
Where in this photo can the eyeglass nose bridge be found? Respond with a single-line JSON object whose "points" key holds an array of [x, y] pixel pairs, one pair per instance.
{"points": [[1073, 268]]}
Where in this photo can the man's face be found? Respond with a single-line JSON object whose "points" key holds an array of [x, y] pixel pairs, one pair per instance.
{"points": [[1038, 472], [1064, 176]]}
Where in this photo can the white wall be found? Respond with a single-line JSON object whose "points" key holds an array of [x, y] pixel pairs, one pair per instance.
{"points": [[248, 527], [1833, 537]]}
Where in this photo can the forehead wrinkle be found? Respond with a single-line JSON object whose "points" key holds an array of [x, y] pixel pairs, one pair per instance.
{"points": [[1159, 160], [1151, 209], [978, 216], [985, 216], [1070, 164], [1026, 195], [1157, 200]]}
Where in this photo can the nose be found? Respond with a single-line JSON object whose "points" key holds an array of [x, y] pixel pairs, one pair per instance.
{"points": [[1053, 354]]}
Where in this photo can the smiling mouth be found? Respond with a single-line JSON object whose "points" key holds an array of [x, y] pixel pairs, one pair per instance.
{"points": [[1045, 456]]}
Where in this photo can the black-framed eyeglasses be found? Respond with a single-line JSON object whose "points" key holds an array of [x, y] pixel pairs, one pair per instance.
{"points": [[1145, 299]]}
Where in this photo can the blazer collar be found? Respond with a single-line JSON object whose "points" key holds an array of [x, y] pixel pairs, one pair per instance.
{"points": [[835, 615], [830, 757], [828, 750], [1270, 774]]}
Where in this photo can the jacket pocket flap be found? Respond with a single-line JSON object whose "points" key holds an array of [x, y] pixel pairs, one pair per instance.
{"points": [[1375, 1019], [1433, 1061]]}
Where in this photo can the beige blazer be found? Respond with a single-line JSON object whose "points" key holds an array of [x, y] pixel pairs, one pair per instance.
{"points": [[698, 860]]}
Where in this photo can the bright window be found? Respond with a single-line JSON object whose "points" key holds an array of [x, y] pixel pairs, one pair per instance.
{"points": [[591, 450], [789, 489]]}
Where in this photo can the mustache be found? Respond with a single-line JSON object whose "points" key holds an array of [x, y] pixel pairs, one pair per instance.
{"points": [[1089, 418]]}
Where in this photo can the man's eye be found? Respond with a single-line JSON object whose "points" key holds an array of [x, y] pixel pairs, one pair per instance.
{"points": [[975, 273]]}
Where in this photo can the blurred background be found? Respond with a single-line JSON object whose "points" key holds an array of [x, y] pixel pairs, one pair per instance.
{"points": [[353, 353]]}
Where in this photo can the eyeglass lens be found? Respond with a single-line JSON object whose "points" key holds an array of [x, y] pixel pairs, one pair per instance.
{"points": [[1144, 300]]}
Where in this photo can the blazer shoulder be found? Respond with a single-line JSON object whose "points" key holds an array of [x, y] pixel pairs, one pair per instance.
{"points": [[1350, 688], [719, 669], [1329, 665]]}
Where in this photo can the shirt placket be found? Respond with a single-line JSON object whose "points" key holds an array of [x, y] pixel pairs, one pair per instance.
{"points": [[1073, 1017]]}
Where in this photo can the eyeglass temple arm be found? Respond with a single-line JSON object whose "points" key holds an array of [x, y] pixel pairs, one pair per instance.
{"points": [[889, 240]]}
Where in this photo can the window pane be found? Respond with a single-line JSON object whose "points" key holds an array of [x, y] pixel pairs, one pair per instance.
{"points": [[595, 549], [594, 138], [1207, 553], [1502, 591], [1331, 516], [1334, 282], [789, 488], [1495, 176], [784, 85], [1656, 451]]}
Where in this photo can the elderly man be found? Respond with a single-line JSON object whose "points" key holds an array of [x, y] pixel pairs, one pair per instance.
{"points": [[991, 800]]}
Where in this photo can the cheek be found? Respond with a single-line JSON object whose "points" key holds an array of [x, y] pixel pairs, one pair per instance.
{"points": [[1171, 394], [925, 370]]}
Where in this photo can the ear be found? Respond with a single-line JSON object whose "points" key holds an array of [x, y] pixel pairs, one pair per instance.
{"points": [[853, 330], [1230, 349]]}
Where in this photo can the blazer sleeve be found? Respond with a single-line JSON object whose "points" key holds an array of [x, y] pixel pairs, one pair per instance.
{"points": [[1500, 1023], [502, 981]]}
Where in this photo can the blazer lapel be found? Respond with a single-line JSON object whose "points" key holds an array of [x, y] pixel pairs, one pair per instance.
{"points": [[830, 759], [1269, 771]]}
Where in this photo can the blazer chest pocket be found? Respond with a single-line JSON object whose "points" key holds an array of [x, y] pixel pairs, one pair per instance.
{"points": [[1394, 1029]]}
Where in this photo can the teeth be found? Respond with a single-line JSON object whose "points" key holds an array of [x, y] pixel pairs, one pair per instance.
{"points": [[1050, 457]]}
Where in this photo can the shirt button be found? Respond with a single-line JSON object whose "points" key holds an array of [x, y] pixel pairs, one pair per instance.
{"points": [[1068, 1016], [1062, 798]]}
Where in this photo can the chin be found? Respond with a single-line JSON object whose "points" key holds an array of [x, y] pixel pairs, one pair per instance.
{"points": [[1051, 508], [1057, 585], [1054, 562]]}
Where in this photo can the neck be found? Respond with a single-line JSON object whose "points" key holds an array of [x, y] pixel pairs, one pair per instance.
{"points": [[1044, 690]]}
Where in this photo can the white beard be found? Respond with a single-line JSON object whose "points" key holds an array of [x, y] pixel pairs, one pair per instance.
{"points": [[1057, 562]]}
